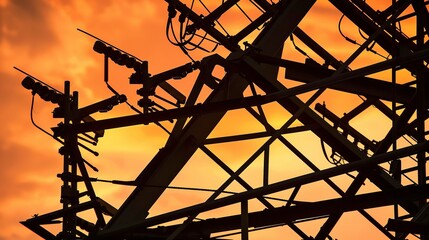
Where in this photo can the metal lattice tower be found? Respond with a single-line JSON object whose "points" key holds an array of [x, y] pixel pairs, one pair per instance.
{"points": [[254, 78]]}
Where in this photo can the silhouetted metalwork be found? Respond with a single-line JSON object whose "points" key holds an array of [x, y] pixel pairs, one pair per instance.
{"points": [[395, 164]]}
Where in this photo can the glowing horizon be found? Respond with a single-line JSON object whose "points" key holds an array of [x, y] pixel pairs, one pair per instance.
{"points": [[41, 38]]}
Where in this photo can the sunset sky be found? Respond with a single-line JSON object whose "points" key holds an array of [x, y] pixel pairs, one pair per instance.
{"points": [[41, 38]]}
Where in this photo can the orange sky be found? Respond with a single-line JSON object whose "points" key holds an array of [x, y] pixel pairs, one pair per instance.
{"points": [[40, 37]]}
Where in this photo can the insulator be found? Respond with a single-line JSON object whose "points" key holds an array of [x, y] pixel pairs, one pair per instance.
{"points": [[142, 67], [99, 47], [28, 83], [145, 102], [113, 54], [136, 78], [131, 63], [57, 98], [45, 93], [36, 87], [122, 60]]}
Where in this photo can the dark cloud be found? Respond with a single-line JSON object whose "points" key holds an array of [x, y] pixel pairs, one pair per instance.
{"points": [[26, 25]]}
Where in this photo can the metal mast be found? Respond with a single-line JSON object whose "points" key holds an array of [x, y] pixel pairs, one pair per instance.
{"points": [[256, 77]]}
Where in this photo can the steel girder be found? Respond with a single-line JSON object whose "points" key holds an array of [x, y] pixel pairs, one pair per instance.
{"points": [[165, 166], [258, 66]]}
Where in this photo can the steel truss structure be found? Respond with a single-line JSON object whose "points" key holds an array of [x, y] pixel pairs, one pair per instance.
{"points": [[252, 82]]}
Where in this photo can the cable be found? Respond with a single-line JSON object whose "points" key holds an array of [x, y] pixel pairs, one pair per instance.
{"points": [[257, 6], [101, 40], [134, 183], [177, 43], [331, 159], [341, 32], [369, 48], [134, 108], [245, 14], [299, 49], [126, 101], [37, 126], [184, 38], [322, 143], [208, 39], [51, 135], [38, 80], [220, 25], [180, 43], [324, 151], [117, 94]]}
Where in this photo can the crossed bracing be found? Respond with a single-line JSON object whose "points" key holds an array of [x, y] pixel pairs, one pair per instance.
{"points": [[257, 66]]}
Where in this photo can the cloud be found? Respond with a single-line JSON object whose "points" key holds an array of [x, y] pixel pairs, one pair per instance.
{"points": [[41, 37], [27, 26], [25, 170], [28, 186]]}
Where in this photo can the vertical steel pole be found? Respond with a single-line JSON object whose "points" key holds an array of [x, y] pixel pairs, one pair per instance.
{"points": [[67, 189], [394, 54], [244, 220], [266, 166], [73, 165], [421, 107], [170, 160]]}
